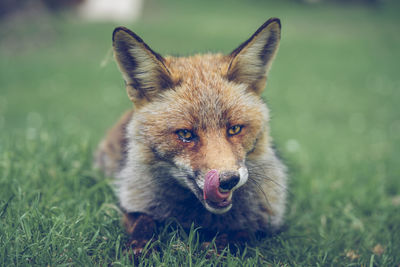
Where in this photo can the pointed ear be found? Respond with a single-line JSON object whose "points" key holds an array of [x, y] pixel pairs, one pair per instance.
{"points": [[251, 61], [144, 71]]}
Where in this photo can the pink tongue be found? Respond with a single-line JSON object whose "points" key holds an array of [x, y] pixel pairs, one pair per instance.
{"points": [[211, 185]]}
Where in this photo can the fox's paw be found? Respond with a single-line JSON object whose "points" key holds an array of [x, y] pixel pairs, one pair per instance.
{"points": [[221, 243], [137, 248], [231, 241], [141, 228]]}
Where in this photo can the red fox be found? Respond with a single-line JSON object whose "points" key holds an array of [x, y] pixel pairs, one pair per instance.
{"points": [[197, 145]]}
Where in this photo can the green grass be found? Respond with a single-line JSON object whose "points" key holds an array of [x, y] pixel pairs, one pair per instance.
{"points": [[334, 91]]}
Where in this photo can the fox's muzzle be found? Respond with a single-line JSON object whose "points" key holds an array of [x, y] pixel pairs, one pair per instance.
{"points": [[219, 187]]}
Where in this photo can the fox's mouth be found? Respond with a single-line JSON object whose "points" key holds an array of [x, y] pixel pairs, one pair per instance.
{"points": [[214, 198], [221, 206], [217, 207]]}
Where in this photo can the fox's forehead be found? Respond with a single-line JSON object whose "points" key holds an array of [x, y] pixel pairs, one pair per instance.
{"points": [[198, 68], [202, 80], [204, 97]]}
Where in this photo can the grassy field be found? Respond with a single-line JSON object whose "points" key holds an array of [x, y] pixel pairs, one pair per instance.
{"points": [[334, 91]]}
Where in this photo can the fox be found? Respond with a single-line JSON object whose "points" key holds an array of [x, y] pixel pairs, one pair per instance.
{"points": [[196, 145]]}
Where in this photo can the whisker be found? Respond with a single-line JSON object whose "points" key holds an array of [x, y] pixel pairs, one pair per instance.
{"points": [[262, 191], [256, 171]]}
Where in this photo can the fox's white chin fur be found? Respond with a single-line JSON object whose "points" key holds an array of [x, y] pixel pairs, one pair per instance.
{"points": [[217, 211]]}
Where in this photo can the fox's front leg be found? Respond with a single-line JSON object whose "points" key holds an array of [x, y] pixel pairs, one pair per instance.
{"points": [[230, 239], [140, 228]]}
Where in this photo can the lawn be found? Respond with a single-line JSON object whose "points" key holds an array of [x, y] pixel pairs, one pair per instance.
{"points": [[334, 92]]}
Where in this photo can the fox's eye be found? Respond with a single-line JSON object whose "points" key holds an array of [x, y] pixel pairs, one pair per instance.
{"points": [[185, 135], [234, 130]]}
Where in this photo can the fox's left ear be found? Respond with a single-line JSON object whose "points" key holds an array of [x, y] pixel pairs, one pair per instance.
{"points": [[144, 71], [251, 61]]}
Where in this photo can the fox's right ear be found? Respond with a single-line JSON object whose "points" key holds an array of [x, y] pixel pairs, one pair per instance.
{"points": [[251, 61], [144, 70]]}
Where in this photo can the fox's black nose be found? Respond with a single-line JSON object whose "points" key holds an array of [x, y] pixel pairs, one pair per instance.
{"points": [[228, 180]]}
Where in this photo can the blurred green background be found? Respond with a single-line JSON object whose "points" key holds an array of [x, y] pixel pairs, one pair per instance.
{"points": [[334, 92]]}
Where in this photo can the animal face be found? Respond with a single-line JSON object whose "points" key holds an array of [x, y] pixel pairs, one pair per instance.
{"points": [[205, 130], [203, 115]]}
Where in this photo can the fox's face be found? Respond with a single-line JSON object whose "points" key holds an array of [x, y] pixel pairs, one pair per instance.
{"points": [[203, 115]]}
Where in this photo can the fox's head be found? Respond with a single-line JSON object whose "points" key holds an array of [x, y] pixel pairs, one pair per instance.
{"points": [[203, 115]]}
